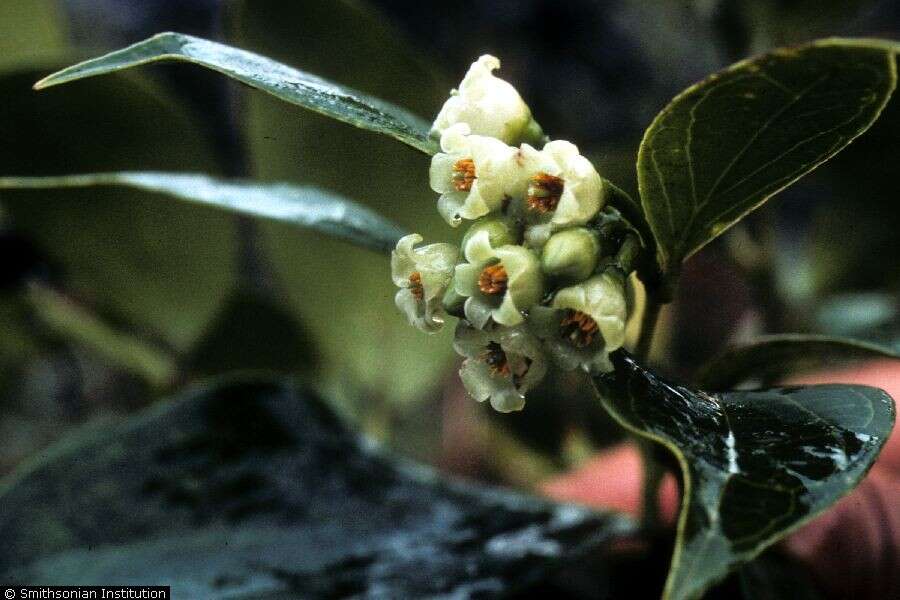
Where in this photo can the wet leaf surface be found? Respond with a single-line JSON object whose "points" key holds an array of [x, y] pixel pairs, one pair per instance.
{"points": [[756, 464], [254, 489], [303, 206], [283, 82]]}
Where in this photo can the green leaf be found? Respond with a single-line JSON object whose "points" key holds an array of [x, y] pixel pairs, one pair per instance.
{"points": [[770, 358], [756, 464], [725, 145], [297, 205], [283, 82]]}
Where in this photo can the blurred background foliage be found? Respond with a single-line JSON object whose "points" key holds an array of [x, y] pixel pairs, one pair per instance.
{"points": [[111, 299]]}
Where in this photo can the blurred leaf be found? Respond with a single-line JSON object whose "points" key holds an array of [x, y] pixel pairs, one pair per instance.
{"points": [[756, 464], [770, 358], [873, 317], [283, 82], [31, 31], [303, 206], [75, 324], [253, 489], [253, 332], [345, 295], [163, 267], [727, 144]]}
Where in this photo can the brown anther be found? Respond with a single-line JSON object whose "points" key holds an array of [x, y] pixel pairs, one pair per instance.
{"points": [[493, 280], [578, 328], [415, 285], [544, 192], [495, 358], [463, 174]]}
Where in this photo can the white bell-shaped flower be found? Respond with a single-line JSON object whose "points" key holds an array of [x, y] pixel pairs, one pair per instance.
{"points": [[475, 175], [501, 364], [422, 274], [584, 323], [491, 106], [498, 283], [563, 190]]}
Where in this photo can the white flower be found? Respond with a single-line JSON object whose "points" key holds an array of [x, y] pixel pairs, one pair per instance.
{"points": [[563, 190], [422, 274], [501, 364], [492, 107], [475, 175], [585, 322], [498, 283]]}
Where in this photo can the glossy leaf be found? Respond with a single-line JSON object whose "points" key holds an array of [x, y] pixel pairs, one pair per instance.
{"points": [[756, 464], [770, 358], [297, 205], [284, 82], [252, 489], [724, 146]]}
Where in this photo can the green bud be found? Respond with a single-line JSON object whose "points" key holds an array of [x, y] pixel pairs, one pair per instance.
{"points": [[571, 255], [500, 232]]}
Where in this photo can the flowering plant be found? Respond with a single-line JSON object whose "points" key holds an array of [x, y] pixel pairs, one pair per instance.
{"points": [[557, 262]]}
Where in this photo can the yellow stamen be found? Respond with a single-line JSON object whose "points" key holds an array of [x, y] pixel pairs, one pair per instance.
{"points": [[493, 280], [544, 192], [578, 328], [415, 285], [463, 175]]}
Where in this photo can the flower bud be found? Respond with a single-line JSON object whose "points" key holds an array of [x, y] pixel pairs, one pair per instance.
{"points": [[501, 232], [422, 274], [499, 283], [571, 255], [502, 363], [491, 107]]}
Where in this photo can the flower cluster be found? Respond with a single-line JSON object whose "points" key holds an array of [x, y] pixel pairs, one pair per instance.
{"points": [[537, 278]]}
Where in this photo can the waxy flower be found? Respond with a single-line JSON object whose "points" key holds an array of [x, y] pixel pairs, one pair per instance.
{"points": [[422, 274], [498, 283], [563, 190], [475, 175], [585, 322], [501, 364], [491, 107]]}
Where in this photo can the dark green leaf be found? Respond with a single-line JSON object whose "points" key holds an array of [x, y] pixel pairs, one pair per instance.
{"points": [[282, 81], [756, 464], [724, 146], [254, 489], [770, 358], [307, 207]]}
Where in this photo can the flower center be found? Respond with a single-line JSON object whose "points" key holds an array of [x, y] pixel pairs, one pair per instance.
{"points": [[493, 280], [496, 359], [463, 174], [415, 285], [578, 328], [544, 192]]}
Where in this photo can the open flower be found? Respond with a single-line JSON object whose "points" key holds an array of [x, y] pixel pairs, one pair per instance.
{"points": [[492, 107], [563, 190], [501, 364], [498, 283], [585, 322], [422, 274], [475, 175]]}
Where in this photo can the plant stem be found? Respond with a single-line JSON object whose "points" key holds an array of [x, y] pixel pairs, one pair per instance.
{"points": [[653, 471]]}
